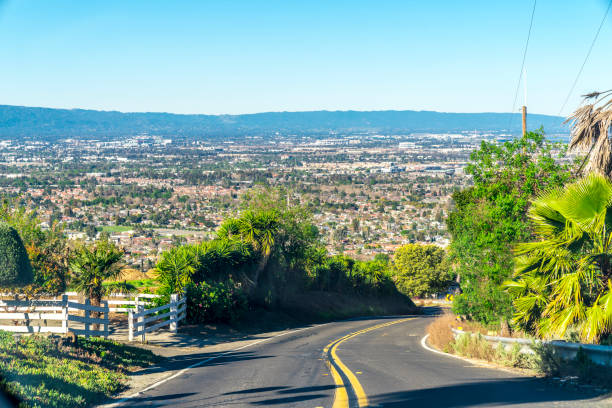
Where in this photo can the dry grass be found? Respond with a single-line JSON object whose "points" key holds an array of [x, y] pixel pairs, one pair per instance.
{"points": [[474, 346], [440, 334]]}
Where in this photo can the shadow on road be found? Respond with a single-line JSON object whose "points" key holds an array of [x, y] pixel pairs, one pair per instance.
{"points": [[495, 392], [159, 400], [286, 395], [182, 361], [262, 396]]}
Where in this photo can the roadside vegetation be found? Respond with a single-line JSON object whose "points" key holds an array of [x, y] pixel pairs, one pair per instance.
{"points": [[544, 361], [269, 255], [268, 258], [490, 218], [531, 248], [531, 243], [44, 371]]}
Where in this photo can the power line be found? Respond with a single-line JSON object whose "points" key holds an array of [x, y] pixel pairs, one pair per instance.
{"points": [[518, 85], [569, 94]]}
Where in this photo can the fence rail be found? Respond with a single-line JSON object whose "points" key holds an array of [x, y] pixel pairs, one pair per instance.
{"points": [[138, 320], [34, 315]]}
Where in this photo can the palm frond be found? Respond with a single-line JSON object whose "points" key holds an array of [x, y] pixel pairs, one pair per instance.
{"points": [[590, 127]]}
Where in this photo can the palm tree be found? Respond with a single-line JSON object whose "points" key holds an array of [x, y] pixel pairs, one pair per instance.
{"points": [[259, 229], [175, 268], [564, 279], [94, 264], [230, 229], [590, 130]]}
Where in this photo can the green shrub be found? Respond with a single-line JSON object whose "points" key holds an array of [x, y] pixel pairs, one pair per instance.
{"points": [[215, 302], [551, 363], [514, 357], [15, 267], [44, 371], [345, 275]]}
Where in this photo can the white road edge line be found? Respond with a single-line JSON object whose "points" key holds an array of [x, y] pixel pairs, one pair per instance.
{"points": [[426, 347], [199, 363], [476, 363]]}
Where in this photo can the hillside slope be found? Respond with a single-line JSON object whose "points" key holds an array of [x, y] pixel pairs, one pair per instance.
{"points": [[51, 124]]}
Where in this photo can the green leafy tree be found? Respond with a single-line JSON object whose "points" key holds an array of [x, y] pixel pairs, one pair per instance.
{"points": [[563, 279], [47, 250], [15, 268], [420, 270], [490, 218]]}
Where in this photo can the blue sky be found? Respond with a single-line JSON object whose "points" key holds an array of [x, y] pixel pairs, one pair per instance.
{"points": [[255, 56]]}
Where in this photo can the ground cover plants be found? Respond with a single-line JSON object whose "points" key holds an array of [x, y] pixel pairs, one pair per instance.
{"points": [[45, 371]]}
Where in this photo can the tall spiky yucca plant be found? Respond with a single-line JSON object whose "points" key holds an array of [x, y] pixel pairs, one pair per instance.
{"points": [[590, 126], [563, 280]]}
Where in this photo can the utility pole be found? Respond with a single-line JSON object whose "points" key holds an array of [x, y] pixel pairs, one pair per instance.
{"points": [[525, 102]]}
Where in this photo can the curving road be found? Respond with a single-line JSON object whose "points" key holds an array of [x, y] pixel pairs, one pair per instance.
{"points": [[377, 362]]}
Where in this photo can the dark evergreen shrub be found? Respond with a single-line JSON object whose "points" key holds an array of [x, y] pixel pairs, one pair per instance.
{"points": [[15, 268]]}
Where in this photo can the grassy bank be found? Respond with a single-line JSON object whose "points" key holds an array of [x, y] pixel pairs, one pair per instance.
{"points": [[46, 371]]}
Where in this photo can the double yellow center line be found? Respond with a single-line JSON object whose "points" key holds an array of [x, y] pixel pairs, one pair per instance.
{"points": [[343, 377]]}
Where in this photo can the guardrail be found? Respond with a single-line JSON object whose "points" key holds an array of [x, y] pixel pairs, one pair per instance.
{"points": [[137, 321], [601, 355]]}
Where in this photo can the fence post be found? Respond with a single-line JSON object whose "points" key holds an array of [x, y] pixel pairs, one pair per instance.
{"points": [[106, 319], [173, 312], [131, 324], [141, 324], [87, 316], [65, 314]]}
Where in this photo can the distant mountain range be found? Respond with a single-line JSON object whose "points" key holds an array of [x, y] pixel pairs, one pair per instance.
{"points": [[52, 124]]}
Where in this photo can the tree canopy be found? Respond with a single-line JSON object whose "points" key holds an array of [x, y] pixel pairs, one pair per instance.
{"points": [[420, 270], [490, 217]]}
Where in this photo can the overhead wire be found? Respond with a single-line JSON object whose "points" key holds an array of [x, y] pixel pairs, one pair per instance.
{"points": [[518, 85], [586, 58]]}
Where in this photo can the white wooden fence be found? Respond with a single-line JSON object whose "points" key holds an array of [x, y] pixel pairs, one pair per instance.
{"points": [[87, 320], [119, 302], [175, 311], [66, 314], [34, 316]]}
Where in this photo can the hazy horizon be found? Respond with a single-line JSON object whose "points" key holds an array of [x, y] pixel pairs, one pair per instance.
{"points": [[246, 57], [277, 111]]}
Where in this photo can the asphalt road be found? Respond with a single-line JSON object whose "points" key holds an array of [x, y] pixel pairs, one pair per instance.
{"points": [[374, 362]]}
